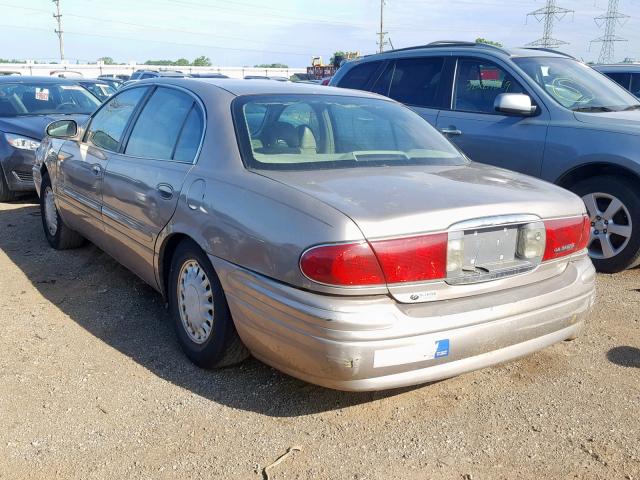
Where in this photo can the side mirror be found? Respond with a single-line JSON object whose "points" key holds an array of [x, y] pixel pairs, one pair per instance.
{"points": [[514, 104], [62, 129]]}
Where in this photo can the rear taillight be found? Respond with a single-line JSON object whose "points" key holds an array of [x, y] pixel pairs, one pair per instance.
{"points": [[413, 259], [402, 260], [344, 265], [566, 236]]}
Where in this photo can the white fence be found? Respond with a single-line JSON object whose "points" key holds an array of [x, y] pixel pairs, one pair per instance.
{"points": [[93, 70]]}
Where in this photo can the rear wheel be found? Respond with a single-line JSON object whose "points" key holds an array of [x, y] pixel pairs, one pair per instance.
{"points": [[613, 204], [6, 195], [201, 315], [58, 234]]}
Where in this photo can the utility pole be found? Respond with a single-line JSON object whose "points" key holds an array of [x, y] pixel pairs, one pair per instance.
{"points": [[58, 17], [610, 20], [381, 34], [548, 14]]}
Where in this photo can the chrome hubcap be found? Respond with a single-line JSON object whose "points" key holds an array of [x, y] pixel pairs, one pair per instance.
{"points": [[195, 301], [611, 225], [50, 212]]}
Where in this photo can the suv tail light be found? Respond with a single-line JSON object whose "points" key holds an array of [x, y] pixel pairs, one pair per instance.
{"points": [[566, 236]]}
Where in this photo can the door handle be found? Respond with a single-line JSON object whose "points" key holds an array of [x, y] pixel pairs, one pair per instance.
{"points": [[451, 131], [165, 191], [97, 169]]}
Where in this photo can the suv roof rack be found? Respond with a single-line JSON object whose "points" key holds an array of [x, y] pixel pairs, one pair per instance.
{"points": [[452, 43], [551, 50]]}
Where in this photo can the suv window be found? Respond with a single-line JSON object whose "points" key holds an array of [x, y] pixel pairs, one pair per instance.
{"points": [[108, 125], [416, 81], [159, 125], [635, 84], [147, 75], [478, 83], [358, 77], [621, 78]]}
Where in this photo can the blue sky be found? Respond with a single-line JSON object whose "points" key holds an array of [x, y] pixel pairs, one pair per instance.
{"points": [[247, 32]]}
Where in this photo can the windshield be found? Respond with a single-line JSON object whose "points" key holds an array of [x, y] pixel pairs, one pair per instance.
{"points": [[576, 86], [293, 132], [18, 99]]}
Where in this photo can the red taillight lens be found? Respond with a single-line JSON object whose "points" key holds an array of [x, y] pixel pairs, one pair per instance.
{"points": [[413, 259], [352, 264], [566, 236]]}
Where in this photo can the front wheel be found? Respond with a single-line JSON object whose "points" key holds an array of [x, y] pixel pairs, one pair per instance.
{"points": [[613, 204], [201, 315], [58, 234]]}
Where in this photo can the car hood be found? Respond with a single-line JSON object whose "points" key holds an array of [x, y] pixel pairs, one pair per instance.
{"points": [[34, 126], [624, 122], [385, 201]]}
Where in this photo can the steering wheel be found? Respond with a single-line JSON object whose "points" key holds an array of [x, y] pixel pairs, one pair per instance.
{"points": [[65, 106], [570, 91]]}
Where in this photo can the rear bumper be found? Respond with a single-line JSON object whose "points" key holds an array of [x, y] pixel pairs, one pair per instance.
{"points": [[377, 343]]}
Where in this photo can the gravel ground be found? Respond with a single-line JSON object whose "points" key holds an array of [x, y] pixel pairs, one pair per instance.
{"points": [[93, 385]]}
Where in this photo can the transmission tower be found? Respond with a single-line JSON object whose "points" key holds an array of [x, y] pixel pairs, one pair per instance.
{"points": [[382, 34], [610, 21], [549, 14], [58, 17]]}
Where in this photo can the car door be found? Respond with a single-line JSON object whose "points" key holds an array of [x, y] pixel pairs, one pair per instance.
{"points": [[487, 136], [142, 182], [422, 83], [81, 164]]}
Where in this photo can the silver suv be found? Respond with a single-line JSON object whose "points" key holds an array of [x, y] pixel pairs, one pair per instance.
{"points": [[534, 111]]}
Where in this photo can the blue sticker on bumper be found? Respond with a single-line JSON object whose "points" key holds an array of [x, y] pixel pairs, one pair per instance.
{"points": [[442, 348]]}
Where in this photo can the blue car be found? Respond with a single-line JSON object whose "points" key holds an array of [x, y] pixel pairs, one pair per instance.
{"points": [[626, 75], [27, 106], [534, 111]]}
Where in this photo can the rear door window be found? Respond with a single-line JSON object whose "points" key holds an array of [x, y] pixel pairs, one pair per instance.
{"points": [[359, 77], [416, 81], [156, 131], [635, 84], [108, 125], [622, 79], [479, 82]]}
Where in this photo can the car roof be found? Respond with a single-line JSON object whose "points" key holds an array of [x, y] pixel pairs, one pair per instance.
{"points": [[34, 79], [623, 67], [257, 87], [450, 46]]}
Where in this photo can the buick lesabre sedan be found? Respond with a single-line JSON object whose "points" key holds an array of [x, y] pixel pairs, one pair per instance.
{"points": [[333, 234]]}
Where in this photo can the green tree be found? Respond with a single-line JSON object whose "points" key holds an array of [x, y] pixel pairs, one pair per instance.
{"points": [[488, 42], [271, 65], [339, 53], [202, 61], [107, 60]]}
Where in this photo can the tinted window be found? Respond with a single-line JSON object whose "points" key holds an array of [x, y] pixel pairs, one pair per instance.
{"points": [[44, 98], [358, 77], [147, 75], [622, 79], [383, 83], [157, 129], [478, 83], [635, 84], [189, 140], [362, 132], [416, 80], [108, 125]]}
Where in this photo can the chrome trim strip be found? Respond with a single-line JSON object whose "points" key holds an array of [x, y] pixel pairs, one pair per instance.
{"points": [[127, 222]]}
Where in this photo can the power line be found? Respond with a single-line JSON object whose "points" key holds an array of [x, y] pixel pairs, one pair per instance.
{"points": [[549, 14], [381, 34], [610, 21], [59, 31]]}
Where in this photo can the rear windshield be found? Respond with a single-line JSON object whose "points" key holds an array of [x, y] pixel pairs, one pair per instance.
{"points": [[297, 132], [18, 99]]}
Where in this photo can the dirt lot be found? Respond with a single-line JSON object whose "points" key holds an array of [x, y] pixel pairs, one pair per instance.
{"points": [[93, 385]]}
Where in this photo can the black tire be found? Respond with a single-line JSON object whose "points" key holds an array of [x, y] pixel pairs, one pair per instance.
{"points": [[63, 238], [223, 346], [629, 195], [6, 195]]}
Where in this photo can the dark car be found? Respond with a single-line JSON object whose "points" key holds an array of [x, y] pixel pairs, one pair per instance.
{"points": [[625, 74], [208, 75], [113, 81], [144, 74], [27, 106], [100, 89]]}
